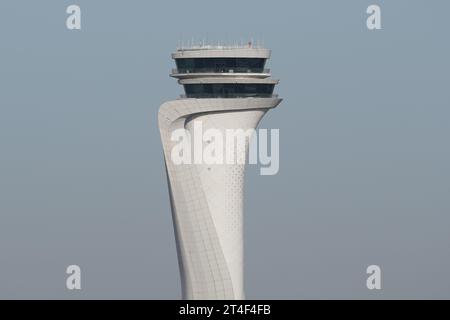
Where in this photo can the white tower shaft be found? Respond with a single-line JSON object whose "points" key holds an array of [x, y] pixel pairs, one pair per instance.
{"points": [[207, 200]]}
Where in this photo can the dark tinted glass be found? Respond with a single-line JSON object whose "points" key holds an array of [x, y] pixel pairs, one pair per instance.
{"points": [[229, 90], [237, 65]]}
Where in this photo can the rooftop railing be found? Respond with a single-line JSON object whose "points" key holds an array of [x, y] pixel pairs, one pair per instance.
{"points": [[204, 46]]}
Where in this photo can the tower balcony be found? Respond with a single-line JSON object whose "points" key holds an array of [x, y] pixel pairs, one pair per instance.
{"points": [[210, 72], [225, 96]]}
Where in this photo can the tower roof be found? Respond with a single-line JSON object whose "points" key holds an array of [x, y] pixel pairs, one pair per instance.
{"points": [[221, 52]]}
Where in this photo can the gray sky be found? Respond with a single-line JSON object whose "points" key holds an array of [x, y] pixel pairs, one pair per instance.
{"points": [[364, 128]]}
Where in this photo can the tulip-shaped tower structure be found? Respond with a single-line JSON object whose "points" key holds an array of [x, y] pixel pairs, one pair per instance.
{"points": [[225, 88]]}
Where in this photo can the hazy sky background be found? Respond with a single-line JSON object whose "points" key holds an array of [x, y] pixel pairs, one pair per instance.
{"points": [[364, 129]]}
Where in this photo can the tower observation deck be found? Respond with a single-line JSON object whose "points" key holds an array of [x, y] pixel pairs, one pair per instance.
{"points": [[225, 88], [223, 72]]}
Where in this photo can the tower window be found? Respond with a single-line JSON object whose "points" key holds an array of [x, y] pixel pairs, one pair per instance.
{"points": [[220, 65], [219, 90]]}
